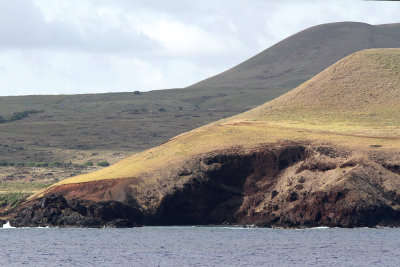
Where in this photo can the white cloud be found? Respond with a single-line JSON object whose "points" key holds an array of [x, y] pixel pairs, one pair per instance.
{"points": [[180, 39], [24, 25], [57, 46]]}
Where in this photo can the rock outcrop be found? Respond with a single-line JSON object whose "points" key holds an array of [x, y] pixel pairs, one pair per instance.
{"points": [[280, 185], [55, 210]]}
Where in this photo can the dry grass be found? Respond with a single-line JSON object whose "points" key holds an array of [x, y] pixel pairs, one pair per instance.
{"points": [[207, 139], [360, 94]]}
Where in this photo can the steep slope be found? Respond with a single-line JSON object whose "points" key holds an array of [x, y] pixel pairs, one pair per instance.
{"points": [[308, 158]]}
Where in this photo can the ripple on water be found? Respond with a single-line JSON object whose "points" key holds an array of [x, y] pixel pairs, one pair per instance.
{"points": [[200, 246]]}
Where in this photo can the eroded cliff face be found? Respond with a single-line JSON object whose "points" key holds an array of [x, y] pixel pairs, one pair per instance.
{"points": [[218, 191], [279, 185]]}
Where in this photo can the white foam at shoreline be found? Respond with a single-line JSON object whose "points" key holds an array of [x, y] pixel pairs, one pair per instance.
{"points": [[7, 225]]}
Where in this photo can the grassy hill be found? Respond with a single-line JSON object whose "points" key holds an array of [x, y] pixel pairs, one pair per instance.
{"points": [[354, 102], [326, 153]]}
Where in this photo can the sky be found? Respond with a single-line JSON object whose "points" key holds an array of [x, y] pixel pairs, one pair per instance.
{"points": [[97, 46]]}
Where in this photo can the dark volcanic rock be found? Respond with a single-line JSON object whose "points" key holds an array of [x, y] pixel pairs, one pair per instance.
{"points": [[55, 210], [120, 223]]}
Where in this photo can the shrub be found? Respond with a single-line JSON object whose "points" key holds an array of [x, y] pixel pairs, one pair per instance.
{"points": [[103, 163], [162, 110], [11, 199], [88, 164], [41, 164], [19, 115], [3, 163], [55, 164], [30, 164], [20, 164]]}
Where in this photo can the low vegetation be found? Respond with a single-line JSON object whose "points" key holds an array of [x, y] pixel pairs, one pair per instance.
{"points": [[11, 199], [22, 187], [19, 115], [12, 193], [52, 164]]}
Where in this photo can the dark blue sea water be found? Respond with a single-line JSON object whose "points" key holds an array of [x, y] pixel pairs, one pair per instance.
{"points": [[199, 246]]}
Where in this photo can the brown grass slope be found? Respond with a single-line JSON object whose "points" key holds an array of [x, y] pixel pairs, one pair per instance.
{"points": [[361, 91], [308, 158]]}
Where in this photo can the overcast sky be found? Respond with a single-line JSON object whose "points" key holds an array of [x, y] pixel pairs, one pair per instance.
{"points": [[92, 46]]}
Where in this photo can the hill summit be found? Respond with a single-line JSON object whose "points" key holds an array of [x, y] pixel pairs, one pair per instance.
{"points": [[301, 56], [326, 153]]}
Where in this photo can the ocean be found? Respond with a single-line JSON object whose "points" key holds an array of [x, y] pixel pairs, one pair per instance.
{"points": [[199, 246]]}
